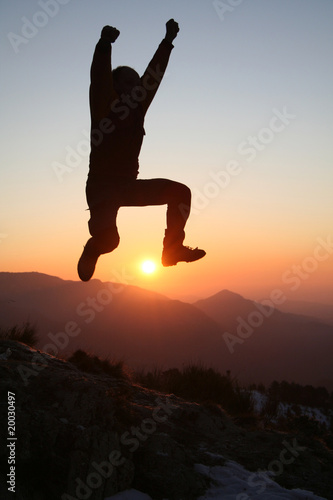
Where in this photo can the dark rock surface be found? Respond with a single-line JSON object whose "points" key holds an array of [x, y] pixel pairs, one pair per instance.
{"points": [[82, 435]]}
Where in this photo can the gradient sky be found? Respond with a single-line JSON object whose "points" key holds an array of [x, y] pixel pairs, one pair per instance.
{"points": [[244, 117]]}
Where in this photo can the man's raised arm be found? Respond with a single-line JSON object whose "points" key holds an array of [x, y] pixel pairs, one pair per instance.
{"points": [[153, 75], [101, 87]]}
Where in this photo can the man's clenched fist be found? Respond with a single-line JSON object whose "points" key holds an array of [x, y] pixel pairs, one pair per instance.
{"points": [[172, 29], [110, 33]]}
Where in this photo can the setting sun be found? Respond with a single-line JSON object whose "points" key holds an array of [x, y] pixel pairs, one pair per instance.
{"points": [[148, 266]]}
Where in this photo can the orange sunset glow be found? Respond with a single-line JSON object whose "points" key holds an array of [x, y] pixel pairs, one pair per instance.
{"points": [[166, 249], [257, 160]]}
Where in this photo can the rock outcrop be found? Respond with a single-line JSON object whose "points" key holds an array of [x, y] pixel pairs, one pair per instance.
{"points": [[90, 435]]}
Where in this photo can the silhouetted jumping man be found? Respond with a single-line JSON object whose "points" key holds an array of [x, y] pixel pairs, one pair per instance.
{"points": [[119, 100]]}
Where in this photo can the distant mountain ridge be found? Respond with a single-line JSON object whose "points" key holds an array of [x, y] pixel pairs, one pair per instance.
{"points": [[27, 281], [316, 310], [146, 329]]}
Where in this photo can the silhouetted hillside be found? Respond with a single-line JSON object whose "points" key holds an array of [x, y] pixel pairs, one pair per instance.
{"points": [[146, 329], [262, 340], [224, 307], [324, 312]]}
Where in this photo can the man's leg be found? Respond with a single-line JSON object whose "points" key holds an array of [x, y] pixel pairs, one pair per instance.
{"points": [[105, 238], [177, 197]]}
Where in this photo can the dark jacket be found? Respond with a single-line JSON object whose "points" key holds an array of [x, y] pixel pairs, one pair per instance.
{"points": [[117, 122]]}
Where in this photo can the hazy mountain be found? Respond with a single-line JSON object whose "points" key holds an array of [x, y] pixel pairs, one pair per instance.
{"points": [[314, 309], [115, 320], [147, 329], [264, 342]]}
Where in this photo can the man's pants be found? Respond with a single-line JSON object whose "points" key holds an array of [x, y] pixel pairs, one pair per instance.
{"points": [[104, 201]]}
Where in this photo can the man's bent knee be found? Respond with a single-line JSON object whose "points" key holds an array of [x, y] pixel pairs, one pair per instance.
{"points": [[106, 242], [182, 192], [111, 241]]}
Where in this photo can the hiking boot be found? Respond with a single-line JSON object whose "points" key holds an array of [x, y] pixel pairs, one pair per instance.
{"points": [[87, 263], [179, 253]]}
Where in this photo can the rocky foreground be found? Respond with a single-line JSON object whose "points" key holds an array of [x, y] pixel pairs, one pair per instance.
{"points": [[88, 436]]}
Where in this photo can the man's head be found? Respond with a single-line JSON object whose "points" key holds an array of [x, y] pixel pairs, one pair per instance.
{"points": [[125, 79]]}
